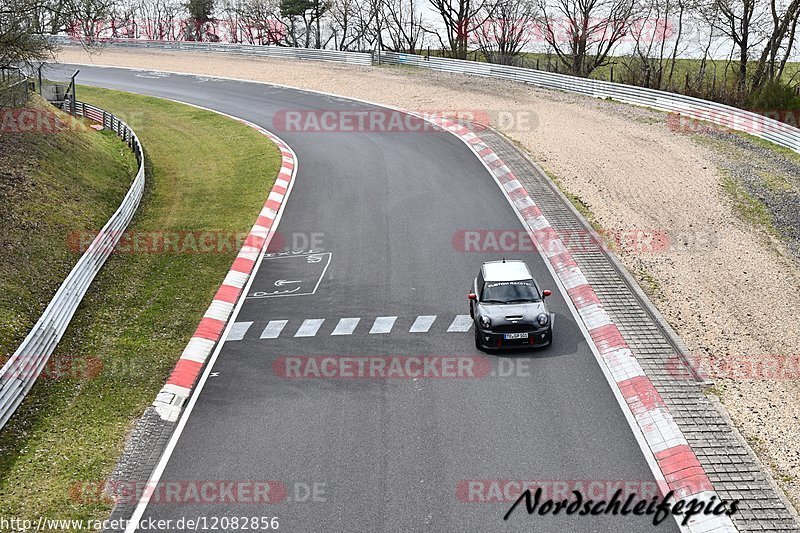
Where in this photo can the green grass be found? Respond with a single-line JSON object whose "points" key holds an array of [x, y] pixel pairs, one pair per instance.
{"points": [[775, 182], [206, 172], [579, 204], [786, 152], [44, 198], [648, 283], [747, 206], [725, 147]]}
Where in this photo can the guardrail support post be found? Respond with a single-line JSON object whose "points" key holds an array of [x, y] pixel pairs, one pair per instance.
{"points": [[72, 99]]}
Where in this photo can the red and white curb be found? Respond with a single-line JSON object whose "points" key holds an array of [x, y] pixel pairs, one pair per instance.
{"points": [[172, 397], [678, 465]]}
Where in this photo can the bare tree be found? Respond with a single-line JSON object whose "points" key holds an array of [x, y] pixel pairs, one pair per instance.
{"points": [[501, 37], [258, 22], [649, 33], [583, 33], [403, 23], [343, 14], [770, 65], [355, 24], [88, 19], [19, 42], [47, 16], [738, 20], [157, 19], [460, 17], [123, 21]]}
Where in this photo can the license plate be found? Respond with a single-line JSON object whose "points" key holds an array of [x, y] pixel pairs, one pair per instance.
{"points": [[511, 336]]}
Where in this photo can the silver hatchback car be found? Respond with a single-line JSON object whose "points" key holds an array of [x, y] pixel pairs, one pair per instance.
{"points": [[508, 307]]}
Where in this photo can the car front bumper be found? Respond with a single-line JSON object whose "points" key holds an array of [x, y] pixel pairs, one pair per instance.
{"points": [[492, 340]]}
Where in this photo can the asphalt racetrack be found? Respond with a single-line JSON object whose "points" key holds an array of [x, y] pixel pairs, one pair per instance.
{"points": [[372, 217]]}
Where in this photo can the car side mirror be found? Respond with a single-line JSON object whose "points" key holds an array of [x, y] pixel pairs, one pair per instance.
{"points": [[546, 293], [472, 296]]}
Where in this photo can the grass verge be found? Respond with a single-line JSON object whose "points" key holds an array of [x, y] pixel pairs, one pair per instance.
{"points": [[205, 173], [748, 207], [44, 197]]}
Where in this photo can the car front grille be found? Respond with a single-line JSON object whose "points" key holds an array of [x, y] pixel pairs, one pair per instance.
{"points": [[514, 328]]}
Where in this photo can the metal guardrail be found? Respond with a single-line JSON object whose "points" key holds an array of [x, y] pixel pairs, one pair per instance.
{"points": [[683, 107], [21, 371], [313, 54], [26, 364], [686, 106]]}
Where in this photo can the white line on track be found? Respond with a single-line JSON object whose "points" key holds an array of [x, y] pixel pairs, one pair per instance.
{"points": [[422, 324], [346, 326], [239, 330], [158, 471], [634, 426], [460, 323], [383, 324], [273, 329], [309, 327]]}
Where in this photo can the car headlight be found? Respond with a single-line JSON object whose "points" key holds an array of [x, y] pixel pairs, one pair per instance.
{"points": [[543, 319], [485, 322]]}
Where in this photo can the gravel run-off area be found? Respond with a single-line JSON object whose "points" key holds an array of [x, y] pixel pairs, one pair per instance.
{"points": [[727, 279]]}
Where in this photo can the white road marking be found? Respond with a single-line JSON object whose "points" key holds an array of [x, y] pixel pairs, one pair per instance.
{"points": [[273, 329], [239, 330], [460, 323], [133, 522], [309, 327], [155, 476], [422, 324], [311, 259], [383, 324], [346, 326]]}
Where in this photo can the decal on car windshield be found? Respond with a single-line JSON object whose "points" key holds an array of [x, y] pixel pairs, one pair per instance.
{"points": [[504, 283]]}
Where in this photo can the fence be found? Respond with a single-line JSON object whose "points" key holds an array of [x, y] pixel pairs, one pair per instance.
{"points": [[20, 372], [14, 87], [683, 107], [355, 58], [686, 106]]}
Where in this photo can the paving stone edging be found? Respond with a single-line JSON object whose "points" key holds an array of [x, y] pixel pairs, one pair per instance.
{"points": [[730, 463]]}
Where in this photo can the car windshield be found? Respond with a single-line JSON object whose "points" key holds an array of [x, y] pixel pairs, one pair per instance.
{"points": [[506, 292]]}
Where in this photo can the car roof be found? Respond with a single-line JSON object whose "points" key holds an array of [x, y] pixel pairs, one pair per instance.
{"points": [[506, 270]]}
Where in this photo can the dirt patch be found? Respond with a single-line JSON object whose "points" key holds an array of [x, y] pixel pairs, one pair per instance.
{"points": [[722, 282]]}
